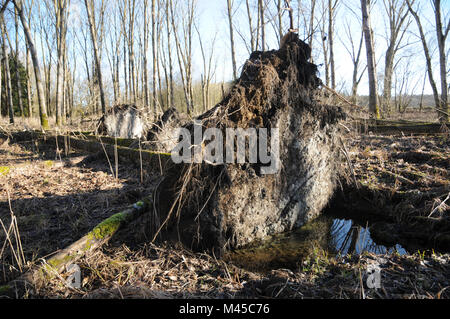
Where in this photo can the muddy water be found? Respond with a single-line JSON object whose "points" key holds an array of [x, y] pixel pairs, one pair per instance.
{"points": [[332, 235]]}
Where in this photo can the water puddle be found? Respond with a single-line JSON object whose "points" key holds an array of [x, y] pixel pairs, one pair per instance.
{"points": [[347, 237], [335, 235]]}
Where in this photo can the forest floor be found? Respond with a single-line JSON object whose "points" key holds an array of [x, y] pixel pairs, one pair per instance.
{"points": [[55, 200], [406, 180]]}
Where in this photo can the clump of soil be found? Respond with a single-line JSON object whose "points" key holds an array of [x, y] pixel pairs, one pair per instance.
{"points": [[123, 120], [224, 206]]}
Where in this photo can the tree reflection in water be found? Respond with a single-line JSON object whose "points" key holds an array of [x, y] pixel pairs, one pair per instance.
{"points": [[347, 237]]}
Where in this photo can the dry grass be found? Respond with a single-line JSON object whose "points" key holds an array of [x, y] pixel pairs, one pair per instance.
{"points": [[167, 271], [55, 202]]}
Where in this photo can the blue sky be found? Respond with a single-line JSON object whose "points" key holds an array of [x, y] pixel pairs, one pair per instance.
{"points": [[212, 18], [212, 21]]}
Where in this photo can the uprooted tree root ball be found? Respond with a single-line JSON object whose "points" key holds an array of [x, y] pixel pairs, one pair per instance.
{"points": [[217, 207]]}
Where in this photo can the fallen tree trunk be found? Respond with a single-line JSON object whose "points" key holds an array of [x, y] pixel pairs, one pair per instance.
{"points": [[156, 159], [97, 144], [399, 127], [98, 236], [223, 205]]}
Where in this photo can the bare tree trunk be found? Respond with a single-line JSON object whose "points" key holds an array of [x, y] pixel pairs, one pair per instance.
{"points": [[263, 27], [9, 98], [125, 77], [61, 15], [279, 19], [47, 65], [29, 99], [18, 81], [331, 16], [325, 46], [230, 22], [427, 58], [207, 70], [145, 62], [397, 13], [371, 69], [441, 37], [113, 59], [154, 56], [96, 53], [132, 68], [311, 24], [355, 54], [30, 104], [170, 91], [252, 37], [37, 71], [185, 55]]}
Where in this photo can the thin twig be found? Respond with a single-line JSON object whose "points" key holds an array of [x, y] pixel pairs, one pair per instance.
{"points": [[440, 205]]}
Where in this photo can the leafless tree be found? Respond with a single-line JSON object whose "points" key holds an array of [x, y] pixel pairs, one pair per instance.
{"points": [[154, 55], [89, 10], [442, 102], [169, 80], [441, 35], [61, 12], [230, 23], [310, 22], [371, 67], [251, 28], [115, 37], [332, 6], [208, 71], [397, 14], [5, 54], [184, 47], [262, 24], [144, 54], [18, 81], [37, 71], [354, 49]]}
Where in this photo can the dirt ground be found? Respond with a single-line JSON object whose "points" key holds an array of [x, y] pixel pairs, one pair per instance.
{"points": [[406, 180], [55, 202]]}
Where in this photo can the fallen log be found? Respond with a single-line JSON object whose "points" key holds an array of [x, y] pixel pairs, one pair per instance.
{"points": [[402, 127], [155, 159], [126, 142], [94, 239]]}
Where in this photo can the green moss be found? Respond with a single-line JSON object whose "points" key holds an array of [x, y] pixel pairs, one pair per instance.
{"points": [[127, 150], [109, 226], [56, 262], [4, 170], [44, 121], [5, 290], [48, 163], [139, 204]]}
